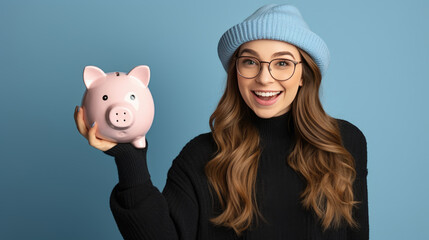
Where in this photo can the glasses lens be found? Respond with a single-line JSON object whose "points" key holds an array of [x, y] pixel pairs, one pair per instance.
{"points": [[282, 69], [248, 67]]}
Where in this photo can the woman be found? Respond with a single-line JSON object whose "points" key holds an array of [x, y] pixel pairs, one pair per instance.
{"points": [[274, 166]]}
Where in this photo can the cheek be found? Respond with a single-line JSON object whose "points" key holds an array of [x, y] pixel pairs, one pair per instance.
{"points": [[291, 88], [242, 86]]}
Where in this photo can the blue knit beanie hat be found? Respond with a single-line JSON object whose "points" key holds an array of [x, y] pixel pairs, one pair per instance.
{"points": [[277, 22]]}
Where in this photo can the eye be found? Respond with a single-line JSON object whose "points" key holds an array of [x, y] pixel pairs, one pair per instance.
{"points": [[132, 97], [283, 63], [105, 97], [248, 61]]}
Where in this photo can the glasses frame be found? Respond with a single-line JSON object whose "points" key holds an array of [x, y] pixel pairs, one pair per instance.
{"points": [[269, 66]]}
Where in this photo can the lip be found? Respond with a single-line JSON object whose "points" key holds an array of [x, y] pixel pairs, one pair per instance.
{"points": [[264, 102]]}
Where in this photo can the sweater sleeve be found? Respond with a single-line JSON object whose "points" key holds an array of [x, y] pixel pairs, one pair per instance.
{"points": [[357, 146], [140, 210]]}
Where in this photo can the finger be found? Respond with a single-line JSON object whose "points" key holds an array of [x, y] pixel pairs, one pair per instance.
{"points": [[80, 123], [92, 139], [97, 143]]}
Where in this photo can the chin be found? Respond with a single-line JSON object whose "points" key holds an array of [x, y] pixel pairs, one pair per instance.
{"points": [[265, 113]]}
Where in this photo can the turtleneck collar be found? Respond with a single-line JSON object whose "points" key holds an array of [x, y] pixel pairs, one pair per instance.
{"points": [[275, 132]]}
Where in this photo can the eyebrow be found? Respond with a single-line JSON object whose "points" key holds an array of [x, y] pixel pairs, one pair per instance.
{"points": [[274, 55]]}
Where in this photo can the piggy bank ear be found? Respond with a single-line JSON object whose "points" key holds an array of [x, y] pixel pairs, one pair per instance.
{"points": [[90, 74], [142, 73]]}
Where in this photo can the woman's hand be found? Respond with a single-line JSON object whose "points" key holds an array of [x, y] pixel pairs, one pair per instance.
{"points": [[89, 134]]}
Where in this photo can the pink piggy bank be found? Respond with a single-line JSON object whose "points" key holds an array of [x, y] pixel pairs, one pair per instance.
{"points": [[120, 103]]}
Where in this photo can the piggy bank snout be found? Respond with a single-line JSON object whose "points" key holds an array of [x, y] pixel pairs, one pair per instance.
{"points": [[120, 116]]}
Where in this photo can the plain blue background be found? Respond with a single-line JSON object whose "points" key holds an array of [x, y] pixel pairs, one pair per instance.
{"points": [[55, 186]]}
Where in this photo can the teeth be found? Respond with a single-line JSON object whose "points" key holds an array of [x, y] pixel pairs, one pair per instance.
{"points": [[266, 94]]}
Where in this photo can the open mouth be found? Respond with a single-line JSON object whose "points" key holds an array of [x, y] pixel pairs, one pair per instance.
{"points": [[267, 96]]}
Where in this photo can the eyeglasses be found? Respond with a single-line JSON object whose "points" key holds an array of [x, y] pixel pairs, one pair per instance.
{"points": [[281, 69]]}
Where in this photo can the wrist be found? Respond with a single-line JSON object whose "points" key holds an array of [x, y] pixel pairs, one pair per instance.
{"points": [[131, 164]]}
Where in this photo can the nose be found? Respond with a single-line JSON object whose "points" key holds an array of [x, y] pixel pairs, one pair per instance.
{"points": [[264, 76], [120, 116]]}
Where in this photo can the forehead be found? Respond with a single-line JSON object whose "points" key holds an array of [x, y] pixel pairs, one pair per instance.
{"points": [[265, 47]]}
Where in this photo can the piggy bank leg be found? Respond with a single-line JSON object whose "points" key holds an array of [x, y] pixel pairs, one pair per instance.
{"points": [[140, 142]]}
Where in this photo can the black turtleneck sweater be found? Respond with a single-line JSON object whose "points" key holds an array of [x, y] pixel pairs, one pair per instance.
{"points": [[183, 209]]}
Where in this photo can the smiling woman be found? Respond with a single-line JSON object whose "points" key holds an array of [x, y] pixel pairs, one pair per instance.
{"points": [[273, 166], [287, 122], [263, 93]]}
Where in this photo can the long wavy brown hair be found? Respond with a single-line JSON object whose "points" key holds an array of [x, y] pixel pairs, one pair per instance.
{"points": [[318, 155]]}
